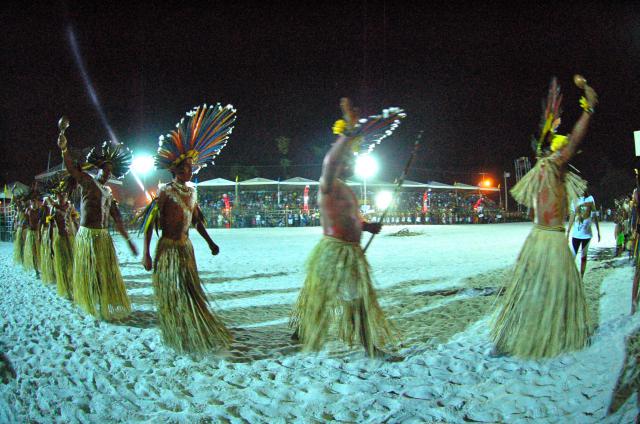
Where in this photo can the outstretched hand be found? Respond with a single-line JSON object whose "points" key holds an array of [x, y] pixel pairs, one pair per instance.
{"points": [[214, 248], [146, 262], [372, 227], [62, 142]]}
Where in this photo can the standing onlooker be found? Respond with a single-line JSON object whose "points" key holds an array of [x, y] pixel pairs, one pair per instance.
{"points": [[583, 214]]}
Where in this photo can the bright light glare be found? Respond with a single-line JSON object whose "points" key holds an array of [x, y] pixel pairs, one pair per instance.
{"points": [[142, 165], [383, 199], [366, 166], [487, 183]]}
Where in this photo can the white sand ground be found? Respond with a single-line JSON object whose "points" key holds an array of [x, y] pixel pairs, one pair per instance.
{"points": [[72, 368]]}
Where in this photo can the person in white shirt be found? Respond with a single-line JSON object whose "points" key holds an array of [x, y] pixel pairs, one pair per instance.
{"points": [[583, 215]]}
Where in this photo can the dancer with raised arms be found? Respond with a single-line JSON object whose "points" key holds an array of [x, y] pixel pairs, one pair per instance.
{"points": [[544, 311], [338, 290]]}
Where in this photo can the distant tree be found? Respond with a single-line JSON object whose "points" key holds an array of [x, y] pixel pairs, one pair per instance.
{"points": [[243, 172], [283, 144], [285, 164]]}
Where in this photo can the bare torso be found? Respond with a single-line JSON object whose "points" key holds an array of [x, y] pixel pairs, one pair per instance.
{"points": [[60, 215], [177, 203], [339, 213], [32, 218], [22, 220], [95, 203]]}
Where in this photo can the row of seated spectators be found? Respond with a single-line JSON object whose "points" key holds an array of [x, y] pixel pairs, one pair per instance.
{"points": [[268, 209]]}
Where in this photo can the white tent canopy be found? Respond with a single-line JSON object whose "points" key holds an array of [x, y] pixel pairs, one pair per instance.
{"points": [[258, 181], [414, 184], [302, 182], [440, 186], [217, 182], [299, 181]]}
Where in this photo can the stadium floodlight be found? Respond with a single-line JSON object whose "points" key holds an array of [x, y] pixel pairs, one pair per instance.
{"points": [[383, 199], [142, 164], [366, 166]]}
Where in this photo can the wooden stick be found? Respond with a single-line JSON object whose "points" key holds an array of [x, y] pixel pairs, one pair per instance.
{"points": [[399, 181]]}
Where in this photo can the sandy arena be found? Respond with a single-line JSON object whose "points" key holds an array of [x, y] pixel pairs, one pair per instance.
{"points": [[438, 285]]}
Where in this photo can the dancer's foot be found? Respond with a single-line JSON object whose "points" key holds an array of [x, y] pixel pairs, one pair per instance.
{"points": [[295, 336], [496, 353]]}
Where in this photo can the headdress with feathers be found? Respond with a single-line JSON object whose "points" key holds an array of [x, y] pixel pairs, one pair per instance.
{"points": [[200, 135], [366, 133], [200, 138], [63, 182], [550, 121], [116, 154]]}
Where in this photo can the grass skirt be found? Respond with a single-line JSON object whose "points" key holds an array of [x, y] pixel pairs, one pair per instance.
{"points": [[18, 246], [63, 264], [31, 251], [544, 312], [47, 274], [186, 323], [97, 283], [338, 294]]}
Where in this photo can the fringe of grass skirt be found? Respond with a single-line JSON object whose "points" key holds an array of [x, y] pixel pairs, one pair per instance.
{"points": [[31, 258], [98, 287], [47, 274], [63, 264], [18, 246], [338, 297], [186, 323], [544, 311]]}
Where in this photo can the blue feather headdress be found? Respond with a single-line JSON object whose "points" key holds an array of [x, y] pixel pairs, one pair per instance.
{"points": [[200, 137]]}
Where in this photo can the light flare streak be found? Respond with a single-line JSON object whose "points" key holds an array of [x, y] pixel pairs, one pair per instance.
{"points": [[73, 42]]}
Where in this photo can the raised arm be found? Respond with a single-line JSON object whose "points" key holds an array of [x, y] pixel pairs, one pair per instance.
{"points": [[68, 162], [580, 128], [332, 163], [335, 157]]}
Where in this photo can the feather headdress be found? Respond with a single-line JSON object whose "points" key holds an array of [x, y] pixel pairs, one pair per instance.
{"points": [[550, 120], [63, 182], [367, 133], [118, 155], [200, 135]]}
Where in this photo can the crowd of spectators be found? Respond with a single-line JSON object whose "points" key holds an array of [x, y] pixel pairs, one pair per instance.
{"points": [[270, 209]]}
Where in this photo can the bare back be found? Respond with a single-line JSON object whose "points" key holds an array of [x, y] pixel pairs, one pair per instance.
{"points": [[550, 208]]}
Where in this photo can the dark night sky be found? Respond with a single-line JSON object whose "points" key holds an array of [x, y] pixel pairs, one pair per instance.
{"points": [[471, 77]]}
